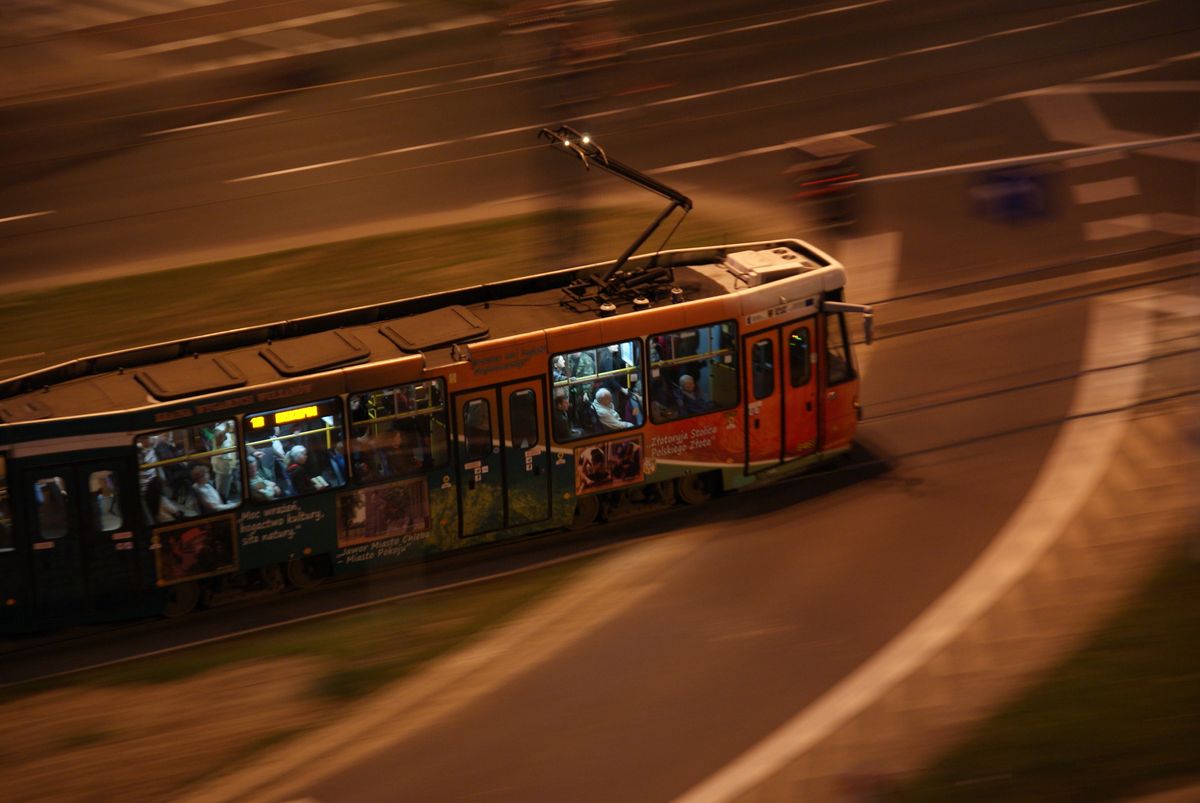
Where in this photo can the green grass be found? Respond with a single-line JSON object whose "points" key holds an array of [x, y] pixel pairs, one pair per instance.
{"points": [[1118, 719], [95, 317], [358, 652]]}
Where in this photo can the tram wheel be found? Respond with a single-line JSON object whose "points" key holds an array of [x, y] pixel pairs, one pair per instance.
{"points": [[272, 578], [694, 489], [665, 492], [586, 510], [181, 599], [305, 572]]}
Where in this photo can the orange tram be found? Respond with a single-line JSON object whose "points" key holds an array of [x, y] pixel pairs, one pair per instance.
{"points": [[150, 480]]}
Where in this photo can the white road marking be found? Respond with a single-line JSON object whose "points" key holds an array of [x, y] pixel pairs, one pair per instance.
{"points": [[1125, 87], [653, 104], [796, 143], [334, 44], [1150, 145], [1110, 189], [1082, 451], [23, 357], [1179, 225], [439, 84], [25, 216], [1125, 226], [756, 26], [243, 33], [966, 107], [211, 123]]}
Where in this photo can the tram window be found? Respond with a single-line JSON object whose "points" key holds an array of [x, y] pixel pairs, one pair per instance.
{"points": [[522, 416], [800, 365], [837, 350], [477, 428], [6, 534], [597, 390], [398, 431], [296, 450], [762, 369], [693, 372], [106, 504], [190, 471], [53, 519]]}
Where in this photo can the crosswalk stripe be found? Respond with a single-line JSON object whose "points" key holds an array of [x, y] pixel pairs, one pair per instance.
{"points": [[1110, 189]]}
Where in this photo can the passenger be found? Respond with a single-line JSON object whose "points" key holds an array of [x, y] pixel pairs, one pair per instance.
{"points": [[206, 495], [689, 400], [224, 465], [563, 431], [402, 457], [583, 364], [603, 405], [262, 487], [558, 367], [300, 473]]}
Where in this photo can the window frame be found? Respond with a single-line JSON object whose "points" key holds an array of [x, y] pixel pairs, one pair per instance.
{"points": [[533, 417], [808, 352], [334, 431], [846, 358], [190, 459], [638, 368], [769, 342], [439, 414], [733, 351]]}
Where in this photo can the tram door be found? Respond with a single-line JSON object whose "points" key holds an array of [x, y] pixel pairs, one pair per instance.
{"points": [[800, 390], [526, 458], [81, 540], [763, 395], [502, 461]]}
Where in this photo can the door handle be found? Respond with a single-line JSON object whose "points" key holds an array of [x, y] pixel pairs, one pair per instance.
{"points": [[833, 394]]}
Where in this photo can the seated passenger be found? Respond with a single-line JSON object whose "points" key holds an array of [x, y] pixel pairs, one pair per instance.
{"points": [[603, 405], [206, 493], [300, 473], [688, 399], [262, 487]]}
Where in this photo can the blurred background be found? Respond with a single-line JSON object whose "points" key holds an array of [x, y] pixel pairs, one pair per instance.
{"points": [[995, 599]]}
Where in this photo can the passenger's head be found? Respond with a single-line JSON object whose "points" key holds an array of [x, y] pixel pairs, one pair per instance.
{"points": [[200, 474], [687, 384], [561, 399], [298, 454], [604, 397]]}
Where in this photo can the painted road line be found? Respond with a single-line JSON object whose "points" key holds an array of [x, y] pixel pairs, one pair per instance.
{"points": [[1030, 159], [795, 143], [1125, 226], [211, 123], [438, 85], [254, 30], [966, 107], [335, 44], [25, 216], [754, 26], [663, 102], [1085, 446], [23, 357], [1108, 190]]}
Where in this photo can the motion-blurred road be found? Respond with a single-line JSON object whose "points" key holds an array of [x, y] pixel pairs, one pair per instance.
{"points": [[293, 122]]}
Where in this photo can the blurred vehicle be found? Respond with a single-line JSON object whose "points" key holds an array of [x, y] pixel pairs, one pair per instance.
{"points": [[1010, 193], [822, 173]]}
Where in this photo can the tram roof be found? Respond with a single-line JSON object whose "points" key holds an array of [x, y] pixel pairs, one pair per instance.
{"points": [[426, 328]]}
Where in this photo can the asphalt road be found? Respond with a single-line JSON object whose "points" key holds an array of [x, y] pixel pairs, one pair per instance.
{"points": [[792, 590]]}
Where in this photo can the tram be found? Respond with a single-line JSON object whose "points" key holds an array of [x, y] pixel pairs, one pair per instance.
{"points": [[150, 480]]}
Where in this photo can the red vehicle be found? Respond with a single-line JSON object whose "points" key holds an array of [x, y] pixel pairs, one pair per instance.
{"points": [[149, 480]]}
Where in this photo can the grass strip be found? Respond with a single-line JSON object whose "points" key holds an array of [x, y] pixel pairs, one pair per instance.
{"points": [[1119, 718], [94, 317], [359, 651]]}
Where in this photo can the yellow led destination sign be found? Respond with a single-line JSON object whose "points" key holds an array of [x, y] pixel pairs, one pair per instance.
{"points": [[298, 414], [258, 422]]}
